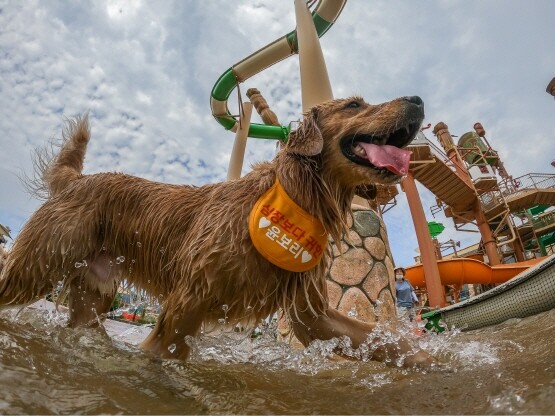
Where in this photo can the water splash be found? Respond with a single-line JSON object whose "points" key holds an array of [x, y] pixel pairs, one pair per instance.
{"points": [[80, 264], [507, 402]]}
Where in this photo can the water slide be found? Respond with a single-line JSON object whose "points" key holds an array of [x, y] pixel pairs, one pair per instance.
{"points": [[323, 16], [469, 271]]}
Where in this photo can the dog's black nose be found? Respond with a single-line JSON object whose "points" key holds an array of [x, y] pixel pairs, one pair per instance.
{"points": [[415, 99]]}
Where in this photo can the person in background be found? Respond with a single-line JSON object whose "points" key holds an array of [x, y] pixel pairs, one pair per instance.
{"points": [[406, 298]]}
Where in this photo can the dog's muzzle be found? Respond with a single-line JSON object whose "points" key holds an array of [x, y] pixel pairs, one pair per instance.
{"points": [[386, 153]]}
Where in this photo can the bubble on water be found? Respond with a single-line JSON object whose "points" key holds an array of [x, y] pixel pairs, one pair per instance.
{"points": [[133, 261], [120, 260], [78, 265], [162, 250], [352, 312], [376, 381], [172, 348], [225, 307], [47, 266], [221, 321], [508, 402], [177, 331], [139, 244]]}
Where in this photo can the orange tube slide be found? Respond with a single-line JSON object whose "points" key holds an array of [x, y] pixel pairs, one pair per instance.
{"points": [[469, 271]]}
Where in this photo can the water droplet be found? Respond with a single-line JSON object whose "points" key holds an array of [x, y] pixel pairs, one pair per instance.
{"points": [[111, 263], [120, 260], [172, 348], [47, 266]]}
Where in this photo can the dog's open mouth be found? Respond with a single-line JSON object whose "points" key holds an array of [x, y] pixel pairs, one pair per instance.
{"points": [[384, 153]]}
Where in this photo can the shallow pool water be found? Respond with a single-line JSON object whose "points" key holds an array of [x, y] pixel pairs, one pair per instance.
{"points": [[46, 368]]}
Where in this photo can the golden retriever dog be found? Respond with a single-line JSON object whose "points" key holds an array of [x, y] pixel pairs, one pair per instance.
{"points": [[190, 246]]}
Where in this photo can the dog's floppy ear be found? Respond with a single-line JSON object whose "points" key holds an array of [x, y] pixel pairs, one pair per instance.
{"points": [[367, 191], [307, 140]]}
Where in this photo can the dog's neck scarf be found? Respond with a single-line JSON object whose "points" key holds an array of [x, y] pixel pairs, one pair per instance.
{"points": [[284, 233]]}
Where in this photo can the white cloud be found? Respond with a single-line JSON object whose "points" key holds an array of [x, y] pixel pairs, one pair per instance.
{"points": [[145, 70]]}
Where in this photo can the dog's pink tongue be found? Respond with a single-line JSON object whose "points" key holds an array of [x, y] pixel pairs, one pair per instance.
{"points": [[390, 157]]}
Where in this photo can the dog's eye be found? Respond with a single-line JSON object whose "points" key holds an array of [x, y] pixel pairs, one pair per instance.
{"points": [[353, 104]]}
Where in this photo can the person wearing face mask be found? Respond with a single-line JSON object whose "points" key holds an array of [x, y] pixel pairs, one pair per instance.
{"points": [[406, 298]]}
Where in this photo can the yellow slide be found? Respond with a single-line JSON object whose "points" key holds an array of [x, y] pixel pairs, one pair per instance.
{"points": [[469, 271]]}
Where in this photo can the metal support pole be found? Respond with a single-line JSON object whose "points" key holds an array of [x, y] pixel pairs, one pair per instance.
{"points": [[436, 292], [238, 152], [315, 83], [490, 244]]}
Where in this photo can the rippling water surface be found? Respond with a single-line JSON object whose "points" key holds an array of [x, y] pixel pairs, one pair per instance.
{"points": [[46, 368]]}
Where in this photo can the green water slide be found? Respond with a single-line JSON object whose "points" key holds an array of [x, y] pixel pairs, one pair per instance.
{"points": [[324, 16]]}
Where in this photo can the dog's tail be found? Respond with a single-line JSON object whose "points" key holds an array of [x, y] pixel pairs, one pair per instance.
{"points": [[54, 172]]}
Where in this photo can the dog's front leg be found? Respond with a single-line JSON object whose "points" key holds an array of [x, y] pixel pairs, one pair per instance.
{"points": [[87, 307], [176, 321], [332, 324]]}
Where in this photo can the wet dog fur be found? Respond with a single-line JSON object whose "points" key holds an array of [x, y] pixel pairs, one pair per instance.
{"points": [[190, 246]]}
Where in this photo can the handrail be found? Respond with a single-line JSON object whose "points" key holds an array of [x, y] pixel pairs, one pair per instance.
{"points": [[529, 181], [324, 16]]}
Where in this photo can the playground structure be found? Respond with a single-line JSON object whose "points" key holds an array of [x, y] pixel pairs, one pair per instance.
{"points": [[514, 216]]}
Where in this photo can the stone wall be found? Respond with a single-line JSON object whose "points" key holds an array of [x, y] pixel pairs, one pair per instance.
{"points": [[361, 282]]}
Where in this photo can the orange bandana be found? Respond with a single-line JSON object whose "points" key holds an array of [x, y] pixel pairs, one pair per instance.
{"points": [[284, 233]]}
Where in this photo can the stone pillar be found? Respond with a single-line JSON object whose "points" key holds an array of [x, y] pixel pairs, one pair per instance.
{"points": [[361, 281]]}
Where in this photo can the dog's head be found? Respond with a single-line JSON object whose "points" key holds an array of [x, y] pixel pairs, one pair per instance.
{"points": [[358, 143]]}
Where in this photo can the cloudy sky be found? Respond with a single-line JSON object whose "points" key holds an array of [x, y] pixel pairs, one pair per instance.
{"points": [[144, 70]]}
